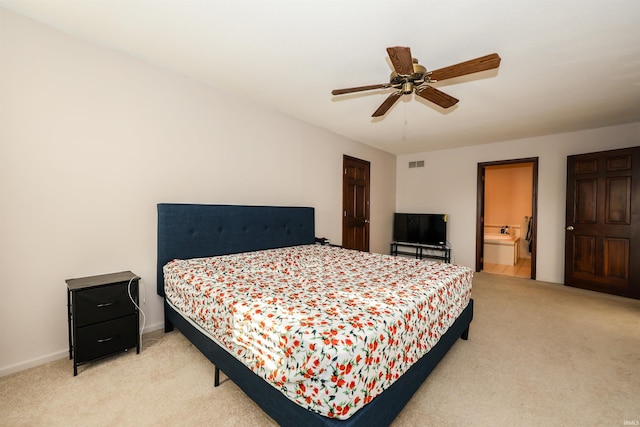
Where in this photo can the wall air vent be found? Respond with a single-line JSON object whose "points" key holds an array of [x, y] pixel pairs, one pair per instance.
{"points": [[416, 164]]}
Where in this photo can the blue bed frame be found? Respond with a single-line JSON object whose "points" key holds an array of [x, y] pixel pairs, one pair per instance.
{"points": [[192, 231]]}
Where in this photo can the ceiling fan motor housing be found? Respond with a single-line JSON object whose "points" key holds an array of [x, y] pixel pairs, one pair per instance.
{"points": [[399, 81]]}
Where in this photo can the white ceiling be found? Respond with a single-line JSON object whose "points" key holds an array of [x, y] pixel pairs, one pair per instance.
{"points": [[566, 64]]}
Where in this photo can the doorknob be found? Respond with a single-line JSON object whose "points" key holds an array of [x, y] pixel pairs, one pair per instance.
{"points": [[570, 228]]}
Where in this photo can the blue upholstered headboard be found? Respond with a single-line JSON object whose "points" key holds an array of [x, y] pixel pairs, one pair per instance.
{"points": [[195, 231]]}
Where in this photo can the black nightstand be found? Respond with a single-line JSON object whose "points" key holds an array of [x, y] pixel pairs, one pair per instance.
{"points": [[103, 319]]}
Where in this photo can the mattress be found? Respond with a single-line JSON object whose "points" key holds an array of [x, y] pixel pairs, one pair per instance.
{"points": [[328, 327]]}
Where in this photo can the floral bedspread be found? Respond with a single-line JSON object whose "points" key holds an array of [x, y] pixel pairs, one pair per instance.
{"points": [[330, 328]]}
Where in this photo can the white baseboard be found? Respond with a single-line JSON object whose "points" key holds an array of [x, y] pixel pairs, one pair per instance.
{"points": [[34, 362], [12, 369], [152, 328]]}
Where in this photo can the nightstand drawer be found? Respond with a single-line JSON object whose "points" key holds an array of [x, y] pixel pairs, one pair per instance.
{"points": [[104, 303], [105, 338]]}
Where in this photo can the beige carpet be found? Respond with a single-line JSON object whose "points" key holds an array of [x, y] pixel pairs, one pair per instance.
{"points": [[538, 354]]}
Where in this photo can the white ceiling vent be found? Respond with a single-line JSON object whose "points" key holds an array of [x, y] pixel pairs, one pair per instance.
{"points": [[416, 164]]}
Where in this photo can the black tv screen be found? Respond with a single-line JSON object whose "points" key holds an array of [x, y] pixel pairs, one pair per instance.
{"points": [[426, 229]]}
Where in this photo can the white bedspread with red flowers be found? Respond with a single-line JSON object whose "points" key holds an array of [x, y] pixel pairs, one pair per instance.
{"points": [[330, 328]]}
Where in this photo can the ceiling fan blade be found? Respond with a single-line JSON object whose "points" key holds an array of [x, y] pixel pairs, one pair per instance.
{"points": [[468, 67], [359, 89], [436, 96], [388, 103], [401, 59]]}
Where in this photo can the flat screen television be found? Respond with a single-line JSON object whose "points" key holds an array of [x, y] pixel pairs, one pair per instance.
{"points": [[426, 229]]}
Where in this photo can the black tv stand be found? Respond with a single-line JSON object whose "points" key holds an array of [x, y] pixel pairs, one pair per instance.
{"points": [[420, 251]]}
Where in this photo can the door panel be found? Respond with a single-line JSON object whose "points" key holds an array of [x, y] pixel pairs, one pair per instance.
{"points": [[616, 258], [586, 195], [355, 202], [602, 238], [585, 254], [618, 200]]}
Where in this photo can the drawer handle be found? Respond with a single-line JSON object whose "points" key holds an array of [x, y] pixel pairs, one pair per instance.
{"points": [[104, 304], [105, 340]]}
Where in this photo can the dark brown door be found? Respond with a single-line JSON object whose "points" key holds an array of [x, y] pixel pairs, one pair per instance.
{"points": [[355, 204], [602, 237]]}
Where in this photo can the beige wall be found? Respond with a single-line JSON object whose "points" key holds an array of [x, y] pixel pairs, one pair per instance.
{"points": [[448, 183], [92, 140], [508, 194], [508, 200]]}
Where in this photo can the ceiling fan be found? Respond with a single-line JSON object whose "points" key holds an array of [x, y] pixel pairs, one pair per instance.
{"points": [[409, 76]]}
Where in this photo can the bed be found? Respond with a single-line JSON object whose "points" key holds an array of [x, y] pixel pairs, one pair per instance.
{"points": [[283, 239]]}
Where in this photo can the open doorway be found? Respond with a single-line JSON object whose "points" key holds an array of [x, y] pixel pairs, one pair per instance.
{"points": [[506, 220]]}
